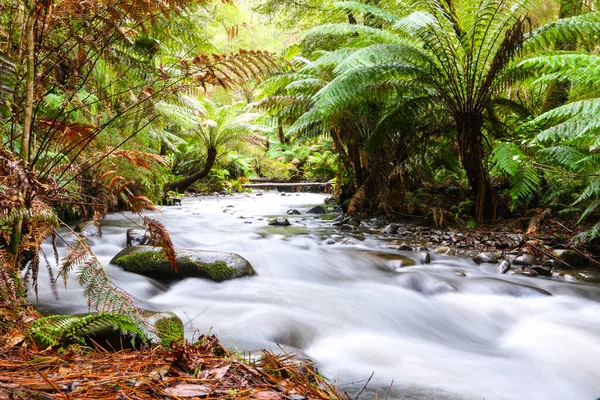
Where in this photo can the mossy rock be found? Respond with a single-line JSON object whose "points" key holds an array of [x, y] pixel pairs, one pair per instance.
{"points": [[169, 327], [216, 266]]}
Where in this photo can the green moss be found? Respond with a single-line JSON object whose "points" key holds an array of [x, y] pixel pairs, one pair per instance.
{"points": [[169, 330], [142, 261], [218, 271]]}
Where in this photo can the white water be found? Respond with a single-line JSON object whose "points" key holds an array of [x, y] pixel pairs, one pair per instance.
{"points": [[436, 334]]}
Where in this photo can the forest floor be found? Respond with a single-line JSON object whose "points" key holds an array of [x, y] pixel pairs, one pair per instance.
{"points": [[203, 370]]}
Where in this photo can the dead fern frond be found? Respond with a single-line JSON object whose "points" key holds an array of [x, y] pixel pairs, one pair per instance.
{"points": [[139, 158], [140, 204], [161, 238]]}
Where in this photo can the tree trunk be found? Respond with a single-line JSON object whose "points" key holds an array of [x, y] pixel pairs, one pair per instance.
{"points": [[181, 185], [29, 80], [470, 141]]}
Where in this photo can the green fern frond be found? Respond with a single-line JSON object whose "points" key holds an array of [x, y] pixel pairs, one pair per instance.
{"points": [[61, 330]]}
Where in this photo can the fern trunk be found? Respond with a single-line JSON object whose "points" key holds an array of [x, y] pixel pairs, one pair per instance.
{"points": [[470, 140], [180, 186]]}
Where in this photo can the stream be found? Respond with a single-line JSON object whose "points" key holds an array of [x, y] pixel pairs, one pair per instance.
{"points": [[450, 329]]}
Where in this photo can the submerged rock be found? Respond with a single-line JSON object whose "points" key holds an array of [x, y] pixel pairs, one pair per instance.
{"points": [[486, 257], [279, 222], [216, 266]]}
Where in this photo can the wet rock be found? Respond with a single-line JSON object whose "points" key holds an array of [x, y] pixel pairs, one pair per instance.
{"points": [[525, 259], [259, 194], [317, 210], [279, 222], [137, 237], [555, 264], [353, 222], [151, 261], [347, 228], [330, 241], [571, 257], [503, 267], [391, 229], [486, 257], [88, 229], [420, 249], [435, 239], [592, 277], [460, 273], [526, 272], [293, 212], [541, 270], [339, 221], [405, 247], [283, 195], [425, 258]]}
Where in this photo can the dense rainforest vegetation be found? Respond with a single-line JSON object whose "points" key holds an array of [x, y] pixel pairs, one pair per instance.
{"points": [[465, 112]]}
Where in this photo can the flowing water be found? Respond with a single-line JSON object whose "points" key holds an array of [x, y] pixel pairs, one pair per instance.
{"points": [[446, 330]]}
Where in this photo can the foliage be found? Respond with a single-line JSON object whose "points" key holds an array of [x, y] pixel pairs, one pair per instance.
{"points": [[61, 330]]}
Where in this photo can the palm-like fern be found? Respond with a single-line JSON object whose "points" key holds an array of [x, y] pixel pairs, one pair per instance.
{"points": [[458, 58]]}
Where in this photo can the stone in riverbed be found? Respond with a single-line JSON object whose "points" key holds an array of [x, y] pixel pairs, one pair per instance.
{"points": [[391, 229], [503, 267], [542, 271], [293, 212], [88, 229], [317, 210], [486, 257], [137, 237], [525, 259], [425, 258], [150, 261], [279, 222]]}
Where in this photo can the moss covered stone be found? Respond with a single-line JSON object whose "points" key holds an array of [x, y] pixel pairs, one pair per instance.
{"points": [[213, 265], [169, 327]]}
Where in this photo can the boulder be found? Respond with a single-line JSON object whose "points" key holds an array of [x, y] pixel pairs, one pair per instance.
{"points": [[317, 210], [571, 257], [486, 257], [137, 237], [279, 222], [151, 261], [503, 267], [293, 212], [425, 258], [89, 229], [405, 247]]}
